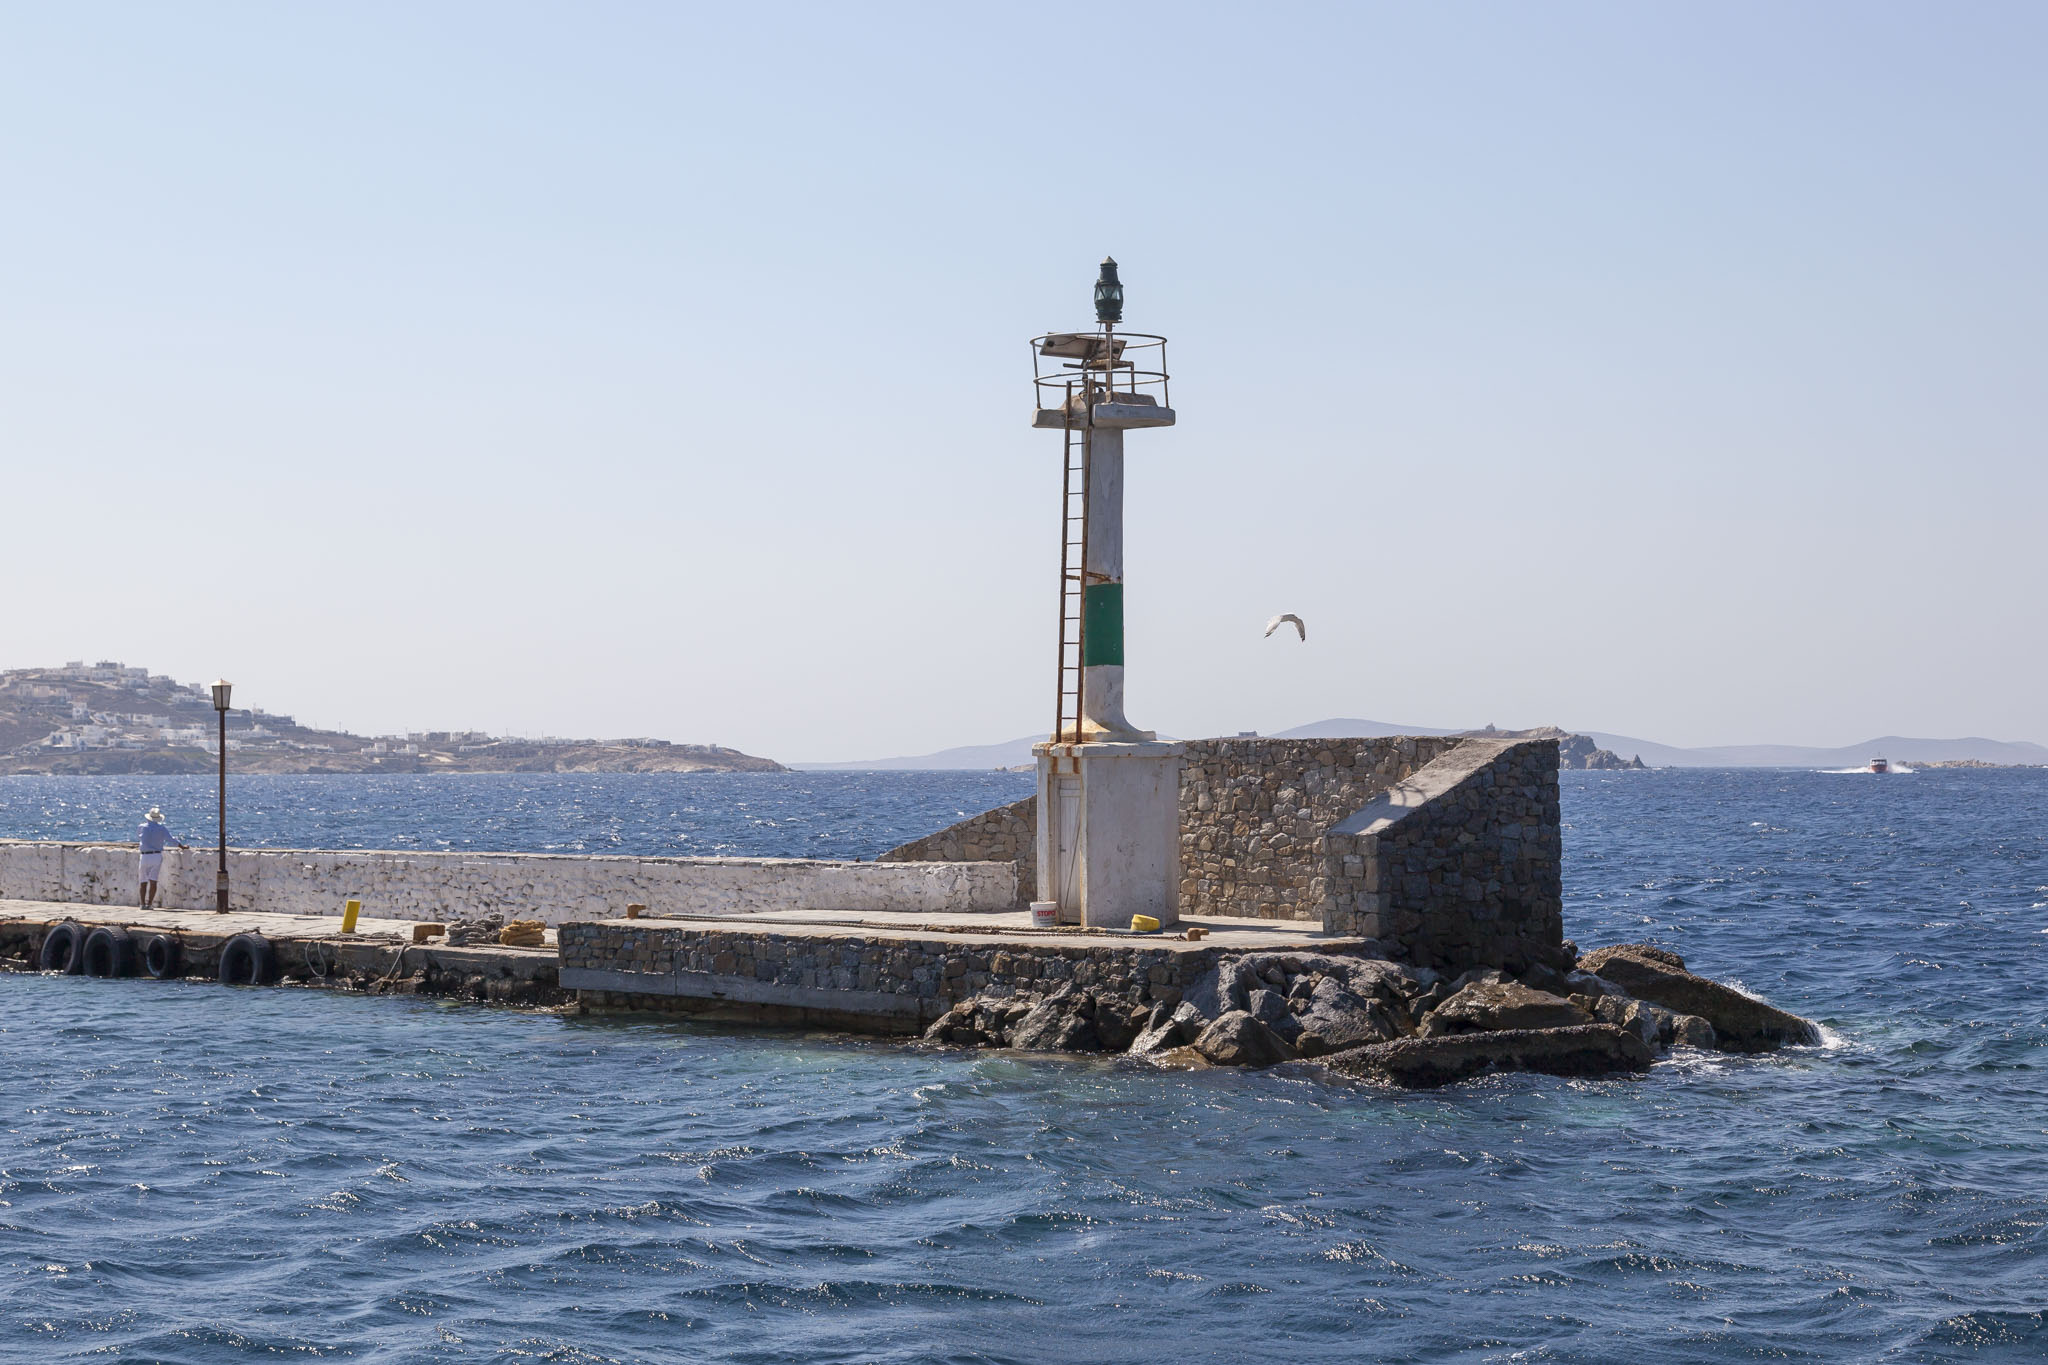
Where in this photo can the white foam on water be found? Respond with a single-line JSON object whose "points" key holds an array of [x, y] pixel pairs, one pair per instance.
{"points": [[1895, 770], [1829, 1039]]}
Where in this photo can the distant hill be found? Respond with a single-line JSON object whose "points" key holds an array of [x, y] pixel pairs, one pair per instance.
{"points": [[1578, 751], [110, 718], [1355, 729], [1620, 748], [1897, 748], [1009, 754]]}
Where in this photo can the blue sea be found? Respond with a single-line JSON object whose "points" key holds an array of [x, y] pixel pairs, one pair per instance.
{"points": [[189, 1173], [667, 815]]}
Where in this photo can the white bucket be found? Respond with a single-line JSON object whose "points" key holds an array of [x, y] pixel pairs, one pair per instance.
{"points": [[1045, 914]]}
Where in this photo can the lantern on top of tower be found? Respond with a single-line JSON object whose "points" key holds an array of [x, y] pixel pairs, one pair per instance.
{"points": [[1109, 294]]}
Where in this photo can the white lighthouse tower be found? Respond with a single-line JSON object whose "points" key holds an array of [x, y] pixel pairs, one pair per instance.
{"points": [[1108, 792]]}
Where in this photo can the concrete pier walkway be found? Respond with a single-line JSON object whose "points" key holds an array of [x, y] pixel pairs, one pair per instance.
{"points": [[894, 973], [872, 971], [270, 925], [379, 956]]}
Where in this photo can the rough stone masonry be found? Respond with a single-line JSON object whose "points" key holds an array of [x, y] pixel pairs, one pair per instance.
{"points": [[1459, 866], [894, 983], [1445, 849]]}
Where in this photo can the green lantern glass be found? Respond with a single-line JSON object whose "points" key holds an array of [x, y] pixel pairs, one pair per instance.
{"points": [[1109, 293]]}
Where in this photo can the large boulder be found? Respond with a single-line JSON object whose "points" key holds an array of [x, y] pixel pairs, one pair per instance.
{"points": [[954, 1026], [1740, 1023], [978, 1022], [1229, 985], [1270, 1009], [1689, 1030], [1235, 1038], [1335, 1018], [1118, 1023], [1632, 1015], [1643, 950], [1063, 1023], [1169, 1028], [1581, 1050], [1585, 983], [1495, 1006]]}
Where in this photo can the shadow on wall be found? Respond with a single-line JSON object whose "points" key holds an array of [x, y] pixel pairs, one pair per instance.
{"points": [[1007, 834]]}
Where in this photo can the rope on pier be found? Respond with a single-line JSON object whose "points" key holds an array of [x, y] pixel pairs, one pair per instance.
{"points": [[396, 967]]}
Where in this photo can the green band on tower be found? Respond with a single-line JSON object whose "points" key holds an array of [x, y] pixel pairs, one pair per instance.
{"points": [[1102, 624]]}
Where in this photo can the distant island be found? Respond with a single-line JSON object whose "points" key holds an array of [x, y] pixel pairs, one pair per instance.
{"points": [[1959, 763], [1573, 751], [109, 718], [1576, 749]]}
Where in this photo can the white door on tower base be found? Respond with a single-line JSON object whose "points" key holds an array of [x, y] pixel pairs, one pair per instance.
{"points": [[1066, 810]]}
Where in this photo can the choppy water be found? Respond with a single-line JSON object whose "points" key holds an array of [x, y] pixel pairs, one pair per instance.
{"points": [[193, 1174], [675, 815]]}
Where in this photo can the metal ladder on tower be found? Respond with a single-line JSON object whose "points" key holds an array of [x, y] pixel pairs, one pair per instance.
{"points": [[1073, 575]]}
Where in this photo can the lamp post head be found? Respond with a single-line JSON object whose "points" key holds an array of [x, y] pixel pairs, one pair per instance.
{"points": [[221, 688], [1109, 293]]}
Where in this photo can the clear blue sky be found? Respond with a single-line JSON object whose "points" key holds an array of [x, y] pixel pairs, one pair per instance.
{"points": [[649, 369]]}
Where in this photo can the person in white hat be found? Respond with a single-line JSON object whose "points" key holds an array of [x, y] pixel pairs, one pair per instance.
{"points": [[154, 837]]}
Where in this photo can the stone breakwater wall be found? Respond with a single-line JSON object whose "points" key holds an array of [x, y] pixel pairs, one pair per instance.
{"points": [[1252, 816], [1459, 865], [551, 888], [1006, 834], [1253, 813], [894, 983], [1446, 849]]}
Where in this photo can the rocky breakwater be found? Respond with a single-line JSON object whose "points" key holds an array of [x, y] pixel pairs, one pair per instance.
{"points": [[1613, 1010]]}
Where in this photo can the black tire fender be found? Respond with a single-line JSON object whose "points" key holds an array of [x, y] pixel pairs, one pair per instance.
{"points": [[63, 949], [248, 960], [107, 952], [163, 956]]}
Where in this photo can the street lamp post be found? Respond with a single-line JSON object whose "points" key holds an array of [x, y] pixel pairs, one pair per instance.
{"points": [[221, 690]]}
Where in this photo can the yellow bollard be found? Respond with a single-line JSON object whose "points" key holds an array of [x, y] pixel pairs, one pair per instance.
{"points": [[1144, 924], [348, 916]]}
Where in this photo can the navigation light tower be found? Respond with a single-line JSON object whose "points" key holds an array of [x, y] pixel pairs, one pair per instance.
{"points": [[1108, 792]]}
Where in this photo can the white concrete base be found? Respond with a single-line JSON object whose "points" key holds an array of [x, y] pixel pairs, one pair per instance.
{"points": [[1109, 831]]}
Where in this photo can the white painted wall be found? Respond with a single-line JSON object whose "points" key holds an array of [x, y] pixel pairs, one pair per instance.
{"points": [[1118, 855], [550, 888]]}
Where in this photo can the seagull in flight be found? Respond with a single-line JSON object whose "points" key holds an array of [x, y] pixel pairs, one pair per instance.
{"points": [[1286, 618]]}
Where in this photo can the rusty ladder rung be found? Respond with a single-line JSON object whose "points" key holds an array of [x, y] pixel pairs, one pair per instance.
{"points": [[1073, 579]]}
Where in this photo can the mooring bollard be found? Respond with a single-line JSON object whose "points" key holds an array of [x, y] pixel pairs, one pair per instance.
{"points": [[635, 911], [348, 916], [422, 932]]}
